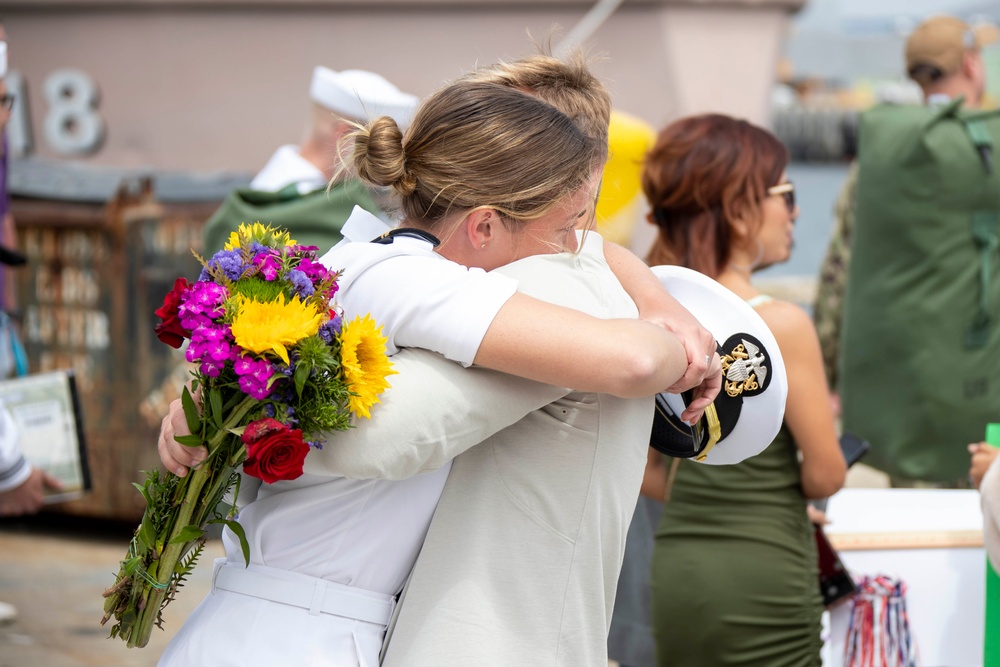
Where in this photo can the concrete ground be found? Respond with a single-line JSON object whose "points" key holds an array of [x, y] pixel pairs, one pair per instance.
{"points": [[53, 569]]}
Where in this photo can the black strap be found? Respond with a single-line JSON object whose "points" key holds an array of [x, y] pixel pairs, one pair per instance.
{"points": [[411, 232], [986, 234]]}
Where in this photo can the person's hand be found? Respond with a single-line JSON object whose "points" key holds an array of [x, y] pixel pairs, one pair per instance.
{"points": [[699, 345], [704, 393], [704, 369], [30, 496], [816, 516], [835, 405], [177, 458], [983, 456]]}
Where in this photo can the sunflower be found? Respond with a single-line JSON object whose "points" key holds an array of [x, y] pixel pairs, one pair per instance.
{"points": [[365, 364], [274, 325], [266, 235]]}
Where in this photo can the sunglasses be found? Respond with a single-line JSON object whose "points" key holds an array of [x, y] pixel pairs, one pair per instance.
{"points": [[7, 101], [787, 192]]}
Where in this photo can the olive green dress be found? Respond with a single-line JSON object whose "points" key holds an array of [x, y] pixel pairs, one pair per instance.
{"points": [[735, 575]]}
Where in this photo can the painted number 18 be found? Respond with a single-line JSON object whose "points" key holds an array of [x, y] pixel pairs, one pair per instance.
{"points": [[72, 124]]}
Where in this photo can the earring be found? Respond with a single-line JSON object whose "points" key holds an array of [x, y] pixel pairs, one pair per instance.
{"points": [[483, 246]]}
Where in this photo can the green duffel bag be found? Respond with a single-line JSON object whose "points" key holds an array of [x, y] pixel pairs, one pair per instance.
{"points": [[920, 346], [314, 218]]}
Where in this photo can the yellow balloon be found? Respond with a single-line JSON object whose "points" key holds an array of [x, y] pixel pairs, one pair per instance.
{"points": [[620, 205]]}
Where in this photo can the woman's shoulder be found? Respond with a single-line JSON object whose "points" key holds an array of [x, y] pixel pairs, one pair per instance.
{"points": [[785, 319]]}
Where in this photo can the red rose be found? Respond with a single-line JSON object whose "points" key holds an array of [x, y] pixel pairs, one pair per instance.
{"points": [[275, 451], [170, 330]]}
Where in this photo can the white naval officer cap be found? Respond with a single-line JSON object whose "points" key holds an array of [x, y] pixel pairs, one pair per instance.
{"points": [[361, 95], [748, 412]]}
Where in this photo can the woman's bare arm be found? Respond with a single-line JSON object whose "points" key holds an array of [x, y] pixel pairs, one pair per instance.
{"points": [[807, 409], [555, 345], [656, 305]]}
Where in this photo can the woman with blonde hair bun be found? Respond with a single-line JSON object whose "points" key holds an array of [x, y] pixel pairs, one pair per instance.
{"points": [[493, 185]]}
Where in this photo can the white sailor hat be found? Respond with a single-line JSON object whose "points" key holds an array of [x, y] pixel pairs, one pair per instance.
{"points": [[747, 414], [361, 95]]}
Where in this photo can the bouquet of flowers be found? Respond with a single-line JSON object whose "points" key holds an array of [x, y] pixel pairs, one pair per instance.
{"points": [[276, 368]]}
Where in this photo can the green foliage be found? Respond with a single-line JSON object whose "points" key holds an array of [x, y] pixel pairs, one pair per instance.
{"points": [[181, 571], [322, 394], [191, 413], [257, 289], [187, 534], [215, 401], [240, 533]]}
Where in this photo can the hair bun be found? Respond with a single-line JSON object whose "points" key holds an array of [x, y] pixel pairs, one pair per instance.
{"points": [[379, 157]]}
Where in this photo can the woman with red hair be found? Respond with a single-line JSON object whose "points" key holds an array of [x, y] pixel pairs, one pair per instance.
{"points": [[735, 578]]}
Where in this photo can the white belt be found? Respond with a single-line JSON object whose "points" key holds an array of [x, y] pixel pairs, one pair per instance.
{"points": [[318, 596]]}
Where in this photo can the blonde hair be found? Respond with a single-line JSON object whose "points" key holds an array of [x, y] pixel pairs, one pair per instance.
{"points": [[474, 144], [568, 85]]}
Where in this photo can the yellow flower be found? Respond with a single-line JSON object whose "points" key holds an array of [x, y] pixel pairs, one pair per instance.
{"points": [[260, 233], [365, 364], [271, 327]]}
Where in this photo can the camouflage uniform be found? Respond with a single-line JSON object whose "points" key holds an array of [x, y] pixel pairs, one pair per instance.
{"points": [[828, 309]]}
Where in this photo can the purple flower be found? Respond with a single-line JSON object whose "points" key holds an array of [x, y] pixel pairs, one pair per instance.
{"points": [[192, 321], [211, 333], [330, 329], [243, 365], [202, 301], [263, 371], [210, 369], [194, 352], [268, 264], [218, 351], [300, 281], [252, 388], [316, 272], [253, 376], [230, 262]]}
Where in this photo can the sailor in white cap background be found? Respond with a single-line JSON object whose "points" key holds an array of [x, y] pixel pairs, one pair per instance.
{"points": [[291, 190], [338, 98]]}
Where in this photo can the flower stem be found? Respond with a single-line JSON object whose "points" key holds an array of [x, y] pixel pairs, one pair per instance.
{"points": [[163, 568]]}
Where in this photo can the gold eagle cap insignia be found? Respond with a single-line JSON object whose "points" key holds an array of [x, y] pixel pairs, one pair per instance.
{"points": [[744, 369]]}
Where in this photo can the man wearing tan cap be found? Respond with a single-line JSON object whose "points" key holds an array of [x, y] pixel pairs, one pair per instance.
{"points": [[943, 56], [290, 191]]}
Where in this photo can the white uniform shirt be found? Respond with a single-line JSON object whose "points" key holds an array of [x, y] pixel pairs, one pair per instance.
{"points": [[420, 298], [362, 533], [14, 469], [286, 167]]}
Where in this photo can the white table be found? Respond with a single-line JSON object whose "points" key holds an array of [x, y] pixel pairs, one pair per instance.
{"points": [[921, 536]]}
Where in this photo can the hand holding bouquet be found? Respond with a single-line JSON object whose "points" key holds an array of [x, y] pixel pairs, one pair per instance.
{"points": [[276, 368]]}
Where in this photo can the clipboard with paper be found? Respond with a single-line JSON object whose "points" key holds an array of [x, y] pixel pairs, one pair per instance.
{"points": [[45, 408]]}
